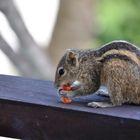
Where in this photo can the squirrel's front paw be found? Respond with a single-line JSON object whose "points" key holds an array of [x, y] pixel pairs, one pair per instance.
{"points": [[100, 104]]}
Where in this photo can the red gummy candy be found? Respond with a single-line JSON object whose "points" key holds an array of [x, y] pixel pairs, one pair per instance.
{"points": [[66, 100], [67, 88]]}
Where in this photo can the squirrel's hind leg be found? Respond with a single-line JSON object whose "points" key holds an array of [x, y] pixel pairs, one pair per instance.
{"points": [[102, 91]]}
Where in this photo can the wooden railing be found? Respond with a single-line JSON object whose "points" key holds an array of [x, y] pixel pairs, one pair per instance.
{"points": [[30, 110]]}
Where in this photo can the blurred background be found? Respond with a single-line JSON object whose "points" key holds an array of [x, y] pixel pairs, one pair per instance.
{"points": [[34, 34]]}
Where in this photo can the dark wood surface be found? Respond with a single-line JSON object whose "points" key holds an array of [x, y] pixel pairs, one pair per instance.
{"points": [[31, 109]]}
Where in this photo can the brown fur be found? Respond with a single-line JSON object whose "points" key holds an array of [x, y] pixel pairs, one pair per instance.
{"points": [[116, 65]]}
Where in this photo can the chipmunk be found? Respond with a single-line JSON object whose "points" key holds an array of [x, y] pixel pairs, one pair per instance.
{"points": [[115, 65]]}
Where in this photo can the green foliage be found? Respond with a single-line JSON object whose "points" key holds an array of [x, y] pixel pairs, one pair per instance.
{"points": [[118, 19]]}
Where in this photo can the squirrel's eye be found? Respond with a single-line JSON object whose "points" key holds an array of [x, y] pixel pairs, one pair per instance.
{"points": [[61, 71]]}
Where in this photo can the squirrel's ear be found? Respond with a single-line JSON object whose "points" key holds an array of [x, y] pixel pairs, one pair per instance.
{"points": [[72, 57], [99, 59]]}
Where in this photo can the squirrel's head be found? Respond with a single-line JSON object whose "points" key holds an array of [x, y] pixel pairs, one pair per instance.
{"points": [[78, 65]]}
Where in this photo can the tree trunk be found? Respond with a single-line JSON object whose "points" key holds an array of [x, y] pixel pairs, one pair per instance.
{"points": [[74, 27]]}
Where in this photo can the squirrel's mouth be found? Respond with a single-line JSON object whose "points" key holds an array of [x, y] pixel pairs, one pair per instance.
{"points": [[67, 90]]}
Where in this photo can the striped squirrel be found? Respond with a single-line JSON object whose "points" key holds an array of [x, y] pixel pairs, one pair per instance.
{"points": [[116, 65]]}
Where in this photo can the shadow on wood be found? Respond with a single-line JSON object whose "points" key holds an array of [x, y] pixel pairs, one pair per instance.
{"points": [[31, 110]]}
